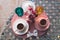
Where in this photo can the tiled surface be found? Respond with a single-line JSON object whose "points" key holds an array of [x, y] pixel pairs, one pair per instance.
{"points": [[52, 8]]}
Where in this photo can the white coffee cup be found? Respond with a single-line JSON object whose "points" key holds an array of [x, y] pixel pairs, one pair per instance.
{"points": [[18, 23]]}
